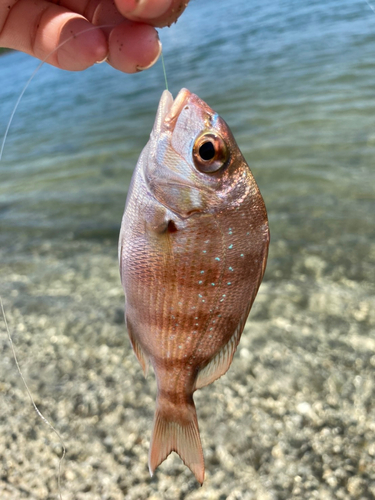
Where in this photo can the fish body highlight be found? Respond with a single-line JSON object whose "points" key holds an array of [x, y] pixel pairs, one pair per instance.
{"points": [[193, 249]]}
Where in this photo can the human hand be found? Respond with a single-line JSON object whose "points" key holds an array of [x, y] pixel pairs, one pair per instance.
{"points": [[128, 40]]}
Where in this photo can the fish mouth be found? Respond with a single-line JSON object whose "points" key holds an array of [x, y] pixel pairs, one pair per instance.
{"points": [[169, 109], [182, 97]]}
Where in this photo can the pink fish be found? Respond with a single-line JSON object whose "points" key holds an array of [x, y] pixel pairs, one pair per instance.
{"points": [[193, 250]]}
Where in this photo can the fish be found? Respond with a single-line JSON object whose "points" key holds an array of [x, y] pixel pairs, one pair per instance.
{"points": [[192, 250]]}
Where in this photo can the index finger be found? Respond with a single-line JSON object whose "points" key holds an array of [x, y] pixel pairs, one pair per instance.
{"points": [[41, 27]]}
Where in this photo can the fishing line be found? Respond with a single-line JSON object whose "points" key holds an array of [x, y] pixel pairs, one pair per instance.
{"points": [[165, 73], [39, 67], [39, 413], [371, 7], [36, 71]]}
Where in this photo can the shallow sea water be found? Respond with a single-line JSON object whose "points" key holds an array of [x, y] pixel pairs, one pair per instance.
{"points": [[294, 417]]}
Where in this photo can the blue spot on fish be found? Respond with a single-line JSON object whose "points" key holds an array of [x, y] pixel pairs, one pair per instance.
{"points": [[204, 251], [229, 283], [200, 282], [217, 258], [230, 268], [214, 119], [202, 272], [213, 284], [230, 246]]}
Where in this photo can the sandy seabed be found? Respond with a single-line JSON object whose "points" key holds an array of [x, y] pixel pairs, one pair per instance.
{"points": [[294, 418]]}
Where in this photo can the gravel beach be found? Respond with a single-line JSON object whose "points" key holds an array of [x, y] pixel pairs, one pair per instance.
{"points": [[293, 418]]}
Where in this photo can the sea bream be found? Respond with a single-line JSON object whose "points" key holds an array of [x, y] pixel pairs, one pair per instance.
{"points": [[193, 249]]}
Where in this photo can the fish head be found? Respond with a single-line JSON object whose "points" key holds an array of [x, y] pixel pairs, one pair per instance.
{"points": [[193, 163]]}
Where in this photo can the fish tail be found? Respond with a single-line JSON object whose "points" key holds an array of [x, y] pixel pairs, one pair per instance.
{"points": [[176, 429]]}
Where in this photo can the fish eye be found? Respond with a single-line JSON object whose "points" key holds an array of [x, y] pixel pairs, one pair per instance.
{"points": [[209, 153]]}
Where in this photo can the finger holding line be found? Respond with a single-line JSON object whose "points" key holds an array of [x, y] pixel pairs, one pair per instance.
{"points": [[41, 27]]}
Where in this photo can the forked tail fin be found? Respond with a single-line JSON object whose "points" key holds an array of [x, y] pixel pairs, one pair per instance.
{"points": [[177, 431]]}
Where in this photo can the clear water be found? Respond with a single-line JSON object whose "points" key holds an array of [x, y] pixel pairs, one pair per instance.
{"points": [[295, 81]]}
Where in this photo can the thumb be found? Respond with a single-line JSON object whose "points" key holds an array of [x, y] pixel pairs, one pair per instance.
{"points": [[40, 27], [158, 13]]}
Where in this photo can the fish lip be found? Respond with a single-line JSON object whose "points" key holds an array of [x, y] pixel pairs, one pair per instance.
{"points": [[169, 111], [174, 111]]}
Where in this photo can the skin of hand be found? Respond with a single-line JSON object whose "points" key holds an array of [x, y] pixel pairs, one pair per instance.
{"points": [[127, 38]]}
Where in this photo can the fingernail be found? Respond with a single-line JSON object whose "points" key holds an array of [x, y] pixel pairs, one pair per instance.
{"points": [[145, 8], [103, 60], [142, 68], [139, 5], [133, 7]]}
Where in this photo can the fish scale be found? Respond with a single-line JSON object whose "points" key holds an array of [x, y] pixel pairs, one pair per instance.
{"points": [[193, 249]]}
